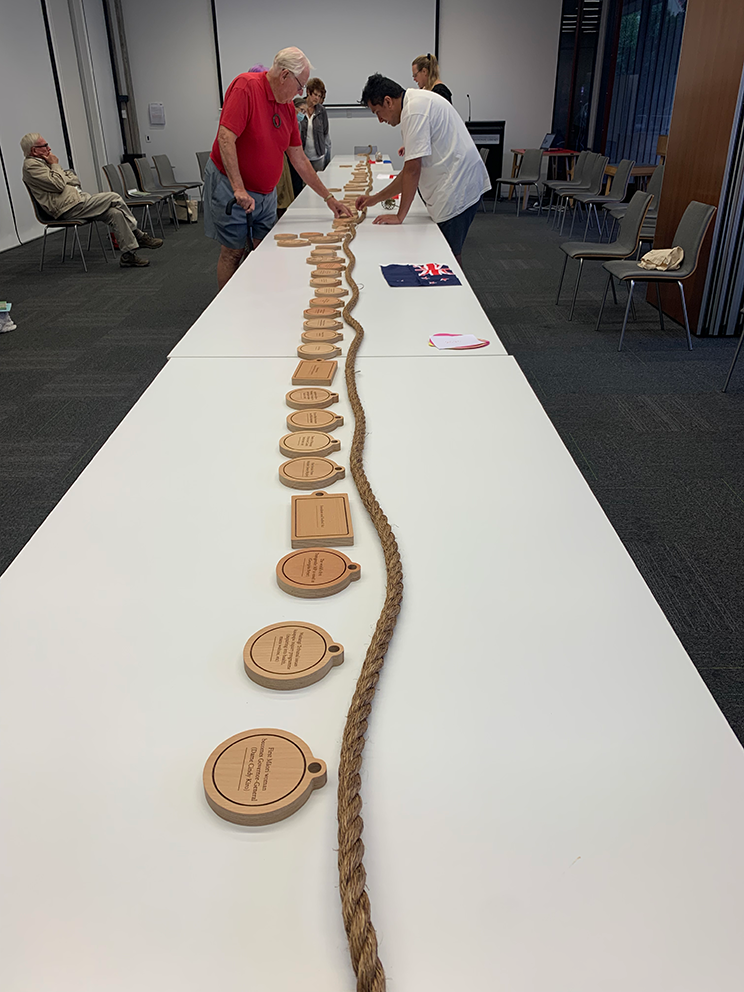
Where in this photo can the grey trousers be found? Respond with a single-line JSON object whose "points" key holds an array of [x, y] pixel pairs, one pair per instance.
{"points": [[110, 208]]}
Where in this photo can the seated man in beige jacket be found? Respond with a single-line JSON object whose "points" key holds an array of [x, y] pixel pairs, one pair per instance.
{"points": [[57, 191]]}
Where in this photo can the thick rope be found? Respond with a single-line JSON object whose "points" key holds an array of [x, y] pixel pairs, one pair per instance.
{"points": [[355, 903]]}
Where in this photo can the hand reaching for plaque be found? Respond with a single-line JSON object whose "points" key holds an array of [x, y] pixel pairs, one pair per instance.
{"points": [[362, 202], [387, 219], [339, 209]]}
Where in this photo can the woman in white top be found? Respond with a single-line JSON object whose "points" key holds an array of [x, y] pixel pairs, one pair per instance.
{"points": [[314, 131]]}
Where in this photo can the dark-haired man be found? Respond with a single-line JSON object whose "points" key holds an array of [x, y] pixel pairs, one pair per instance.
{"points": [[441, 159]]}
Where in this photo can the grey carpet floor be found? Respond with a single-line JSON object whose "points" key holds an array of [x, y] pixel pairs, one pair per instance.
{"points": [[656, 440]]}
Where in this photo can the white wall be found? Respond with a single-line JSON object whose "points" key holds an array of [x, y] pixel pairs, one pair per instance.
{"points": [[502, 52]]}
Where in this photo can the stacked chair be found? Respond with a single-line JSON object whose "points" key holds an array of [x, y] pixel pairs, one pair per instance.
{"points": [[614, 197], [167, 177], [625, 246], [654, 188], [528, 175], [149, 182], [576, 182], [594, 171], [116, 185]]}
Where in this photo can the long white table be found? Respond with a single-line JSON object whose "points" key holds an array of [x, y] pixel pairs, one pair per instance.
{"points": [[259, 312], [553, 802]]}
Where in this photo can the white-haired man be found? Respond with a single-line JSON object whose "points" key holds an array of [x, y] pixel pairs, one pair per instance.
{"points": [[258, 125], [58, 193]]}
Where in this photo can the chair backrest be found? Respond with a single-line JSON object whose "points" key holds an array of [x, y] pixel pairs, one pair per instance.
{"points": [[164, 170], [654, 187], [596, 176], [580, 165], [113, 178], [631, 224], [619, 185], [41, 215], [529, 169], [202, 158], [144, 172], [689, 235], [129, 177], [661, 146]]}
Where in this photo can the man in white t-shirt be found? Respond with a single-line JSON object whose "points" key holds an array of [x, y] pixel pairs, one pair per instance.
{"points": [[441, 160]]}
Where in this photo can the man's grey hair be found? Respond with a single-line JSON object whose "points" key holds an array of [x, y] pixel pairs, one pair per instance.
{"points": [[293, 60], [28, 141]]}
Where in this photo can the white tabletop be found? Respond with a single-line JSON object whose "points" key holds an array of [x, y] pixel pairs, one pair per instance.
{"points": [[259, 312], [553, 802]]}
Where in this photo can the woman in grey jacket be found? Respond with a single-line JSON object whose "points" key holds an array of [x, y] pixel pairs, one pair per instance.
{"points": [[316, 140]]}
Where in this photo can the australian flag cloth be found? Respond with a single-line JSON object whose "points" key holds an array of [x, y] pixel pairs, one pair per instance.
{"points": [[430, 274]]}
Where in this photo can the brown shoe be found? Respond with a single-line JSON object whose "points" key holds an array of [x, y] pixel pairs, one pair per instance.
{"points": [[147, 241], [129, 260]]}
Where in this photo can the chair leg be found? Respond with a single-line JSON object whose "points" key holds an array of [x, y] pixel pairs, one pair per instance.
{"points": [[684, 310], [43, 249], [586, 226], [596, 217], [90, 233], [604, 299], [614, 294], [64, 245], [560, 284], [80, 248], [733, 363], [631, 287], [100, 240], [576, 288], [518, 198], [658, 302], [565, 211]]}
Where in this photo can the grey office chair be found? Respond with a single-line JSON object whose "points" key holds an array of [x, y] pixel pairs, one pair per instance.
{"points": [[132, 181], [202, 158], [528, 175], [626, 244], [595, 175], [617, 193], [116, 185], [50, 223], [167, 177], [577, 182], [689, 236], [653, 187]]}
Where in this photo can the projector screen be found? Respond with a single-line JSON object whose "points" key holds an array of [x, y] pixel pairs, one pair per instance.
{"points": [[345, 42]]}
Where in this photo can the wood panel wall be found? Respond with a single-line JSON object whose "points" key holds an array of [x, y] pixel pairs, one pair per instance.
{"points": [[708, 81]]}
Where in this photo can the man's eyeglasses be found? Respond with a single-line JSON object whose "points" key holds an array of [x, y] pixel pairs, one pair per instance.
{"points": [[301, 86], [45, 145]]}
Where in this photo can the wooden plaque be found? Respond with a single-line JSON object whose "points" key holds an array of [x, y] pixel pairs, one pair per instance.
{"points": [[261, 776], [321, 519], [300, 399], [330, 291], [317, 373], [328, 253], [322, 334], [310, 472], [318, 349], [297, 243], [308, 443], [314, 420], [319, 312], [334, 238], [327, 281], [332, 266], [291, 655], [311, 234], [284, 237], [322, 323], [315, 572], [327, 301]]}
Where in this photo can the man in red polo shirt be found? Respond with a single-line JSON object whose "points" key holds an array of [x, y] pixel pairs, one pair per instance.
{"points": [[257, 125]]}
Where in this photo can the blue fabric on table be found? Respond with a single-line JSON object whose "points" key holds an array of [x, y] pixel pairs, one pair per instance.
{"points": [[430, 274]]}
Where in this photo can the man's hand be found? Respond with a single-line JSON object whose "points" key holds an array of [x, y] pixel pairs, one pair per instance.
{"points": [[402, 151], [363, 201], [387, 219], [50, 159], [245, 200], [339, 209]]}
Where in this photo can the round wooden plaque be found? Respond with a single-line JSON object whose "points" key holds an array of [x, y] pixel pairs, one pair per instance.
{"points": [[310, 396], [327, 301], [314, 420], [318, 349], [324, 252], [332, 266], [308, 443], [311, 573], [284, 237], [297, 243], [322, 323], [291, 655], [327, 281], [322, 334], [310, 472], [330, 291], [261, 776], [312, 234], [319, 312]]}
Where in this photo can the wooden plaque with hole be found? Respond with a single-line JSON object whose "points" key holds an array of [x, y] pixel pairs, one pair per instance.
{"points": [[322, 323], [261, 776], [301, 399], [316, 572], [324, 281], [318, 349], [314, 420], [291, 655], [317, 373], [319, 312], [322, 334], [308, 443], [310, 472], [321, 519]]}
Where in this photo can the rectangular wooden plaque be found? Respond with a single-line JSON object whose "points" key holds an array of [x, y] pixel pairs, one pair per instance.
{"points": [[321, 519], [314, 373]]}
